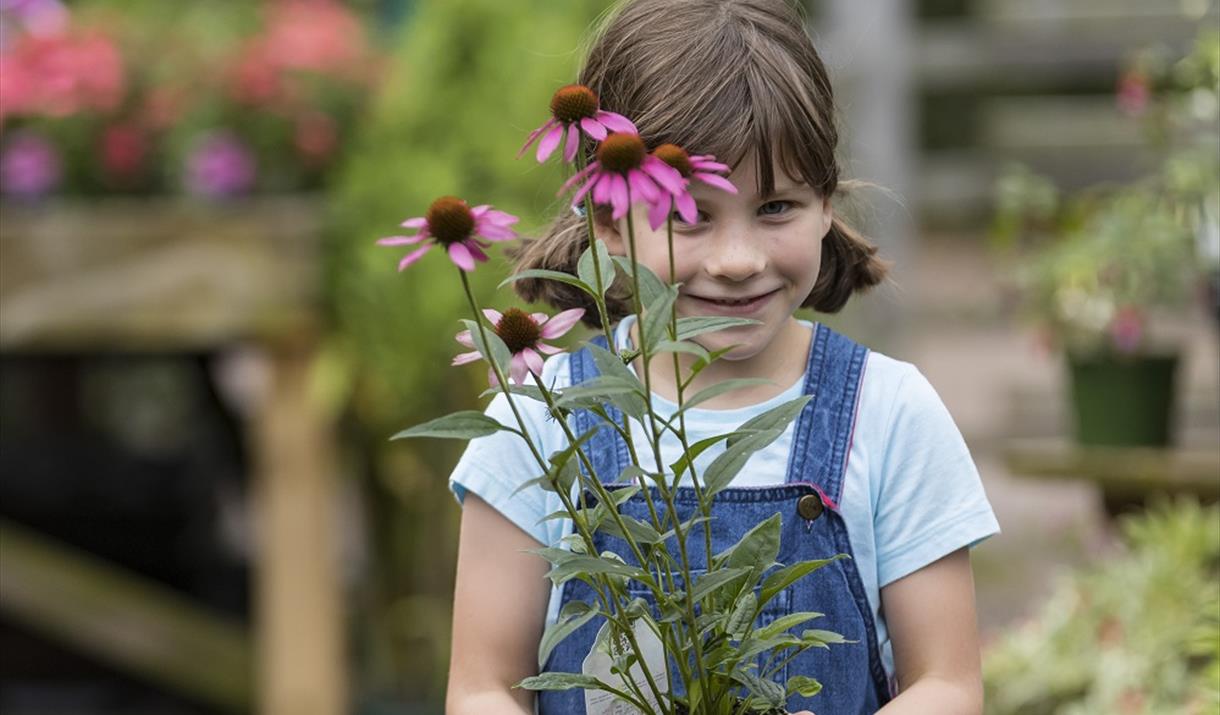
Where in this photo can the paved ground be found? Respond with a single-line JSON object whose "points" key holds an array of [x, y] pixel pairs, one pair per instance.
{"points": [[998, 385]]}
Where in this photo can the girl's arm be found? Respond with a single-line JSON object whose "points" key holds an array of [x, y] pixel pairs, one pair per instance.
{"points": [[499, 606], [932, 625]]}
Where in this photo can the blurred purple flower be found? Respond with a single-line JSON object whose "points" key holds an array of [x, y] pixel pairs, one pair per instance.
{"points": [[40, 18], [29, 166], [219, 165]]}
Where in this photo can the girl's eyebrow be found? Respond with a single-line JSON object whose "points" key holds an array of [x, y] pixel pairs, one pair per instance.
{"points": [[712, 196]]}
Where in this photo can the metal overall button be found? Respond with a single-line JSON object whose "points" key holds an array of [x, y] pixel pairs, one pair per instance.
{"points": [[809, 507]]}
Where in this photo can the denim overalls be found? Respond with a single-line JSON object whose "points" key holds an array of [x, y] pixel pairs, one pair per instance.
{"points": [[852, 676]]}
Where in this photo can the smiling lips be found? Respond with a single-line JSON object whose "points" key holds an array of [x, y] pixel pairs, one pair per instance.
{"points": [[736, 305]]}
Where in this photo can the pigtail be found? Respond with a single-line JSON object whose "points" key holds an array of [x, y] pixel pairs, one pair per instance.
{"points": [[849, 264]]}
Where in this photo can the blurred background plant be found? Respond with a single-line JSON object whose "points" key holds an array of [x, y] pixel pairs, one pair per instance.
{"points": [[212, 99], [1138, 633], [1091, 268]]}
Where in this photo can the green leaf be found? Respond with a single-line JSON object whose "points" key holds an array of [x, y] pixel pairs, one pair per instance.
{"points": [[467, 424], [769, 691], [689, 327], [497, 351], [776, 418], [726, 466], [584, 565], [823, 637], [785, 623], [720, 388], [696, 449], [756, 549], [650, 285], [803, 685], [562, 468], [712, 581], [742, 616], [783, 578], [682, 346], [550, 275], [636, 530], [561, 681], [592, 393], [656, 318], [700, 365], [562, 628], [584, 267], [530, 391], [611, 365]]}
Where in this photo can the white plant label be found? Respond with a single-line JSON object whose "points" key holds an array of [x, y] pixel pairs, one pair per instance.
{"points": [[599, 662]]}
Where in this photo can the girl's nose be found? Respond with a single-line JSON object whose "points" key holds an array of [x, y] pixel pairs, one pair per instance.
{"points": [[735, 258]]}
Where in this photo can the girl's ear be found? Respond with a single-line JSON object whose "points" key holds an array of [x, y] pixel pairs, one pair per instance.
{"points": [[828, 216], [608, 230]]}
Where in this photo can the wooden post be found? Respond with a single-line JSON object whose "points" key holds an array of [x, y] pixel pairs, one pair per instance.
{"points": [[300, 644]]}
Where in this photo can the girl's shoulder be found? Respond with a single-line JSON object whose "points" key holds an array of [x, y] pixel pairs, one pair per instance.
{"points": [[895, 394]]}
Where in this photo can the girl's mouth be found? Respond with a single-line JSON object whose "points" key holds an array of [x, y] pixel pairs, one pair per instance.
{"points": [[735, 306]]}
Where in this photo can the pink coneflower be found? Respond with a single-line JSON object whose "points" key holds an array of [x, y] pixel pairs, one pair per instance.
{"points": [[623, 174], [1127, 329], [575, 108], [457, 227], [1133, 93], [523, 333], [703, 167], [220, 165]]}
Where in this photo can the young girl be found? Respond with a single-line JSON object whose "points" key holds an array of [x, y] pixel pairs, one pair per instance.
{"points": [[874, 467]]}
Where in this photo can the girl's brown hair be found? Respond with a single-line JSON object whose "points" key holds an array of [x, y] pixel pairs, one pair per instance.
{"points": [[722, 77]]}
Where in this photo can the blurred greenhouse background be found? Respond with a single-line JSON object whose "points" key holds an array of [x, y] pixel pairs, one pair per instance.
{"points": [[202, 351]]}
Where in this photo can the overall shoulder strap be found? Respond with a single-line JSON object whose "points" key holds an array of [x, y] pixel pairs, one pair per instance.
{"points": [[822, 439], [606, 450]]}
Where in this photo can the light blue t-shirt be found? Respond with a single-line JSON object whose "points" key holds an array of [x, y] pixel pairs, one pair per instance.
{"points": [[911, 493]]}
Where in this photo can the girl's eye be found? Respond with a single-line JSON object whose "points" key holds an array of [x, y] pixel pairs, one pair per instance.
{"points": [[701, 218], [775, 208]]}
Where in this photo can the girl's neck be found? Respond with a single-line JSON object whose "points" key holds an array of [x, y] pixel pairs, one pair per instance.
{"points": [[782, 362]]}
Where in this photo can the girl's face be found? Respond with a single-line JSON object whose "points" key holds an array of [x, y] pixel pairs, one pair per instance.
{"points": [[747, 256]]}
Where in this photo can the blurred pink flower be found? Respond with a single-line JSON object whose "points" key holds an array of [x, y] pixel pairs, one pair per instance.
{"points": [[523, 333], [29, 165], [1133, 93], [316, 136], [453, 225], [124, 147], [575, 108], [219, 165], [40, 18], [1127, 329], [703, 167], [315, 35], [625, 173], [60, 75]]}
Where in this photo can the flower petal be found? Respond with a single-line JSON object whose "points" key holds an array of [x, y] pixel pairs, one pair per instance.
{"points": [[620, 197], [478, 211], [548, 349], [412, 257], [539, 318], [493, 315], [668, 177], [573, 144], [616, 122], [419, 222], [476, 251], [642, 187], [463, 358], [579, 176], [534, 135], [658, 211], [547, 146], [460, 255], [707, 162], [533, 361], [491, 378], [561, 323], [465, 338], [493, 232], [686, 207], [580, 195], [718, 181], [593, 128], [601, 192], [518, 369], [401, 240]]}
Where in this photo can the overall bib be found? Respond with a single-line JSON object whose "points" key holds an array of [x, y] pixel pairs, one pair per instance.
{"points": [[852, 676]]}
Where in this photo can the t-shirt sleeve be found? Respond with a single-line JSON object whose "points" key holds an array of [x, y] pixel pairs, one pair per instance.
{"points": [[930, 500], [496, 466]]}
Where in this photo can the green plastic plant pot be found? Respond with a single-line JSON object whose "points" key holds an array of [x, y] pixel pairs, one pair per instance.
{"points": [[1123, 400]]}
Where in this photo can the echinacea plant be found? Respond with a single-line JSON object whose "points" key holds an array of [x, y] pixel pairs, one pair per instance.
{"points": [[711, 638]]}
